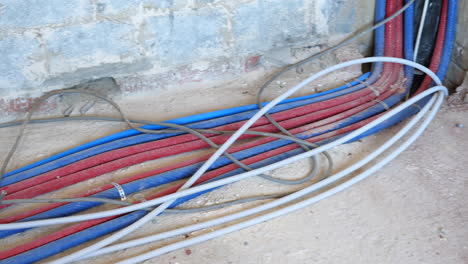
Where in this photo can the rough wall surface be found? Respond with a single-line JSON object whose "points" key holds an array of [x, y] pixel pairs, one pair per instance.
{"points": [[54, 44], [459, 61]]}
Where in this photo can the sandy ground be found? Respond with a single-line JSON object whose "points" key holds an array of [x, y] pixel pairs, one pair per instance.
{"points": [[412, 211]]}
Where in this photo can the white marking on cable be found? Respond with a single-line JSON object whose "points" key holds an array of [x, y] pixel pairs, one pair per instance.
{"points": [[382, 103], [120, 190], [376, 91]]}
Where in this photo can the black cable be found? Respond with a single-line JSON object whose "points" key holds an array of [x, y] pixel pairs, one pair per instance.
{"points": [[428, 37]]}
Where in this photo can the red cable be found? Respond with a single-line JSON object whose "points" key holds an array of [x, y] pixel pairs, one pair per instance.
{"points": [[57, 183], [209, 175], [116, 154], [263, 125], [98, 170], [182, 164], [52, 237], [79, 176], [205, 177], [301, 113]]}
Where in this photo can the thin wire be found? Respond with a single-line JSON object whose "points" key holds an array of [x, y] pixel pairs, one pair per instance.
{"points": [[274, 77], [333, 48], [165, 131], [65, 200], [129, 124], [291, 137], [315, 56], [175, 210], [259, 95], [187, 186], [420, 30], [178, 210], [288, 209], [196, 132], [72, 118], [261, 90], [245, 213], [235, 178]]}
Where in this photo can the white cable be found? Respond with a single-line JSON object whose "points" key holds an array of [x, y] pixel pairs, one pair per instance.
{"points": [[90, 216], [293, 207], [420, 30], [151, 215], [266, 206]]}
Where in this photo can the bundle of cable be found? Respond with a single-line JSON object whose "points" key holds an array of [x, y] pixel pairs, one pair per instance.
{"points": [[279, 132]]}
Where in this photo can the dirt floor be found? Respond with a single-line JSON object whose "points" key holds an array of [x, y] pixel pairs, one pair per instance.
{"points": [[412, 211]]}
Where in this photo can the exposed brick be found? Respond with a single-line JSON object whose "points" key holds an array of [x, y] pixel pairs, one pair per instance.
{"points": [[21, 104], [252, 62]]}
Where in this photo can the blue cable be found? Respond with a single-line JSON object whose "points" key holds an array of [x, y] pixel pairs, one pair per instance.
{"points": [[180, 121], [108, 227], [408, 32], [450, 35], [181, 173], [443, 66], [186, 171], [92, 147], [141, 138], [378, 51], [408, 49], [441, 72], [60, 245], [371, 78], [396, 98]]}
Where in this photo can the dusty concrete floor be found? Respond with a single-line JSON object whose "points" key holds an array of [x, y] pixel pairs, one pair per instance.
{"points": [[412, 211]]}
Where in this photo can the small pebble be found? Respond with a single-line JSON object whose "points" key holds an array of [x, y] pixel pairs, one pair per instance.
{"points": [[460, 125], [442, 233], [188, 252]]}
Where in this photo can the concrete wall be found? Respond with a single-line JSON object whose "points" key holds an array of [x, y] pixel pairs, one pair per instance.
{"points": [[459, 61], [51, 44]]}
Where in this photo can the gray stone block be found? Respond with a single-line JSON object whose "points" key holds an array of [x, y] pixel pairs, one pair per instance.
{"points": [[39, 13], [265, 24], [16, 53], [185, 36], [91, 44]]}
